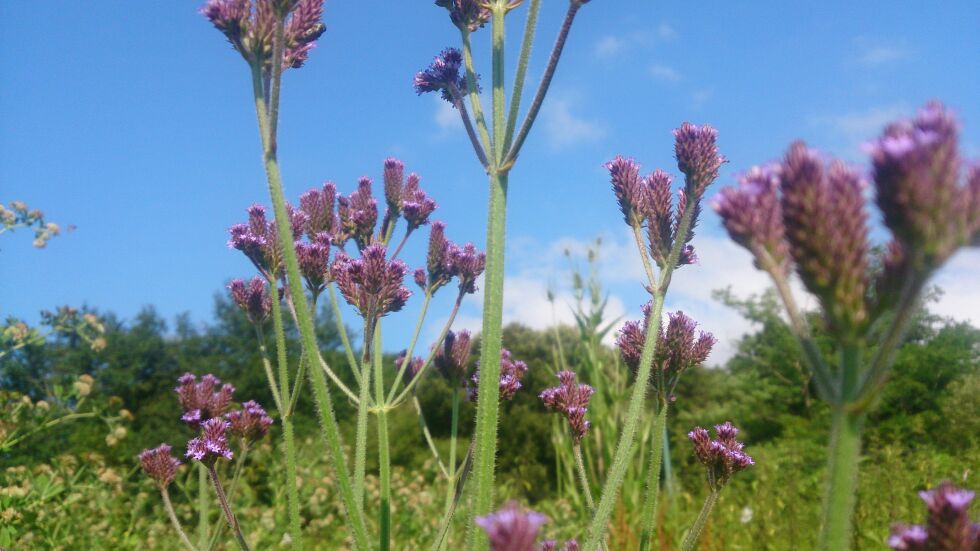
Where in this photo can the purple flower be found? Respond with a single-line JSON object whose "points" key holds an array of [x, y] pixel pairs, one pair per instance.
{"points": [[200, 401], [452, 358], [420, 279], [916, 170], [658, 211], [359, 214], [571, 400], [416, 205], [253, 299], [697, 155], [313, 258], [629, 188], [249, 26], [259, 238], [512, 529], [212, 443], [722, 457], [948, 525], [251, 422], [394, 176], [753, 216], [467, 265], [438, 261], [302, 29], [466, 14], [318, 206], [159, 464], [552, 545], [511, 373], [414, 367], [678, 348], [826, 228], [443, 75], [372, 284]]}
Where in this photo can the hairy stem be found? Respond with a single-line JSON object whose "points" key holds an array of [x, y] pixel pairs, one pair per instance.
{"points": [[267, 365], [428, 437], [292, 490], [525, 55], [384, 454], [652, 498], [203, 504], [432, 353], [360, 438], [474, 139], [411, 348], [229, 515], [344, 338], [691, 539], [453, 430], [473, 90], [174, 521], [841, 484]]}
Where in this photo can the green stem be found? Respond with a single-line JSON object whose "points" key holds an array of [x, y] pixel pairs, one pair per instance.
{"points": [[236, 476], [583, 478], [202, 505], [489, 385], [453, 430], [841, 484], [473, 90], [363, 407], [267, 365], [229, 515], [328, 420], [428, 437], [691, 539], [652, 498], [342, 329], [432, 353], [292, 490], [641, 247], [515, 95], [283, 364], [174, 521], [411, 348], [499, 95], [384, 454]]}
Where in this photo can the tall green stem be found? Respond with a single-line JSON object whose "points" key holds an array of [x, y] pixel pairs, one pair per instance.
{"points": [[522, 61], [360, 438], [583, 478], [691, 539], [842, 472], [652, 499], [174, 521], [202, 506], [384, 455], [292, 490], [226, 508], [328, 419], [342, 329], [453, 430]]}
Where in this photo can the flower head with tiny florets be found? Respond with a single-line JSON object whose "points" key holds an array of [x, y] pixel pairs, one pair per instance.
{"points": [[202, 400], [452, 358], [371, 283], [511, 528], [753, 216], [467, 265], [253, 298], [571, 400], [467, 15], [359, 214], [251, 422], [948, 526], [212, 443], [443, 75], [722, 457], [696, 150], [159, 464], [511, 373], [250, 26]]}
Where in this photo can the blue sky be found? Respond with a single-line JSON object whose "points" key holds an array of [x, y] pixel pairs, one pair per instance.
{"points": [[133, 121]]}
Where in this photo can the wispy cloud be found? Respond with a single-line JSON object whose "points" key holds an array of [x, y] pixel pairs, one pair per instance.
{"points": [[872, 53], [446, 116], [612, 45], [664, 73], [565, 128], [608, 46], [666, 33], [700, 97], [855, 127]]}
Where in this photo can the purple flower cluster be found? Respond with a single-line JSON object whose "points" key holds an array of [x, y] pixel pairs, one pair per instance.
{"points": [[202, 400], [646, 201], [446, 260], [811, 213], [251, 422], [948, 526], [371, 283], [212, 443], [253, 298], [511, 373], [678, 348], [259, 241], [358, 214], [416, 205], [443, 75], [160, 465], [414, 366], [722, 457], [511, 528], [452, 358], [552, 545], [318, 206], [468, 15], [571, 400], [313, 257], [250, 24]]}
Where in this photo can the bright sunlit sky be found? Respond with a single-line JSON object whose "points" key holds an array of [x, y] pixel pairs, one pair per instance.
{"points": [[133, 121]]}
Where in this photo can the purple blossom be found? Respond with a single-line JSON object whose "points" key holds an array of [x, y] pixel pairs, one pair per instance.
{"points": [[552, 545], [678, 348], [414, 367], [420, 279], [948, 526], [826, 229], [658, 211], [200, 401], [318, 206], [466, 14], [629, 188], [394, 176], [259, 238], [571, 400], [159, 464], [212, 443], [753, 216], [512, 529], [372, 284], [313, 258], [511, 373], [438, 261], [359, 214], [696, 149], [416, 205], [251, 422], [467, 265], [442, 75], [722, 457], [249, 26], [302, 30], [253, 299], [453, 357]]}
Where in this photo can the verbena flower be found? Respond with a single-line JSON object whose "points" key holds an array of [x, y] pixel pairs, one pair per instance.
{"points": [[394, 182], [467, 265], [452, 358], [259, 241], [466, 14], [159, 464], [359, 214], [442, 74], [722, 457], [511, 373], [318, 206], [371, 283], [948, 526], [438, 262], [571, 400], [251, 422], [696, 150], [414, 367], [212, 443], [249, 26], [826, 228], [552, 545], [678, 348], [629, 188], [416, 205], [658, 213], [253, 298], [314, 258], [202, 400], [511, 528], [753, 216]]}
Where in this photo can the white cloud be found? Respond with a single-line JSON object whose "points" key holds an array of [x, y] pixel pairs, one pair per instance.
{"points": [[701, 97], [871, 53], [446, 116], [665, 32], [564, 128], [961, 293], [664, 72], [608, 46], [856, 127]]}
